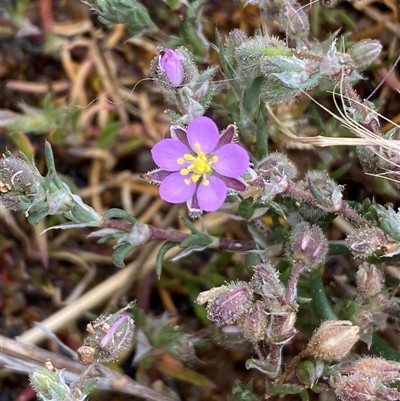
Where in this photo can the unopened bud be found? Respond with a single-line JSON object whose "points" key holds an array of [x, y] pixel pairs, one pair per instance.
{"points": [[110, 335], [173, 69], [49, 384], [171, 64], [366, 241], [365, 52], [355, 388], [19, 182], [294, 20], [373, 367], [369, 280], [253, 324], [325, 190], [276, 164], [389, 221], [229, 303], [265, 281], [333, 340], [308, 245]]}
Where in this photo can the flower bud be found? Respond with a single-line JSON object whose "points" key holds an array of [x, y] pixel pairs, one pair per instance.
{"points": [[359, 387], [354, 388], [227, 303], [369, 280], [253, 324], [365, 52], [49, 384], [19, 182], [294, 20], [373, 367], [307, 245], [110, 335], [333, 340], [389, 221], [265, 281], [171, 63], [366, 241], [325, 190]]}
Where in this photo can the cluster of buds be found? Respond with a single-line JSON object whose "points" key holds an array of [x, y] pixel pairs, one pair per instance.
{"points": [[22, 188], [288, 71], [183, 86], [368, 379], [109, 336]]}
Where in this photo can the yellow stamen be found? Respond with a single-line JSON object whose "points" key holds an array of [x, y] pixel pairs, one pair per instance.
{"points": [[206, 182], [180, 160], [188, 157], [197, 146], [184, 171], [195, 177], [214, 159], [187, 181]]}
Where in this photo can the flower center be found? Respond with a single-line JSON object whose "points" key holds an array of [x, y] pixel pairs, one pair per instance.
{"points": [[199, 167]]}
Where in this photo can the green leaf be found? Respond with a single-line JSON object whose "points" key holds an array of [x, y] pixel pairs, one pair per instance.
{"points": [[119, 255], [119, 214], [190, 225], [196, 240], [262, 137], [160, 256], [251, 261], [251, 96], [246, 209]]}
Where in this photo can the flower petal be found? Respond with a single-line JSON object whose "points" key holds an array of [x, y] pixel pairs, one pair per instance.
{"points": [[173, 189], [167, 152], [204, 132], [171, 64], [213, 195], [233, 160]]}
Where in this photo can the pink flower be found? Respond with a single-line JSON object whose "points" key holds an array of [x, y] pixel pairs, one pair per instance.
{"points": [[198, 165], [171, 64]]}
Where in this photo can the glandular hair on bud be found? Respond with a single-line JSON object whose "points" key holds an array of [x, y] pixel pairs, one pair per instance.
{"points": [[369, 280], [333, 340]]}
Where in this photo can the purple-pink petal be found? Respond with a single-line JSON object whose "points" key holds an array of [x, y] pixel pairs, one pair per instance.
{"points": [[171, 63], [173, 189], [167, 152], [233, 160], [202, 131], [211, 196]]}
